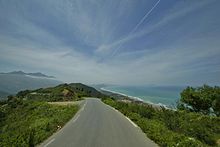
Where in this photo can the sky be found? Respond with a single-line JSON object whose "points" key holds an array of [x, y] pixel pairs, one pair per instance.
{"points": [[126, 42]]}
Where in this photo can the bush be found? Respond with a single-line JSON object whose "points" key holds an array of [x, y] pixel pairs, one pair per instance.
{"points": [[171, 128], [201, 99], [31, 122]]}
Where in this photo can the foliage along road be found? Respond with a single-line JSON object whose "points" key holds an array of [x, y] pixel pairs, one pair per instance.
{"points": [[99, 125]]}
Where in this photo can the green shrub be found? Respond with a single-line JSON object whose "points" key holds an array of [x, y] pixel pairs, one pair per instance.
{"points": [[201, 99], [31, 122], [172, 128]]}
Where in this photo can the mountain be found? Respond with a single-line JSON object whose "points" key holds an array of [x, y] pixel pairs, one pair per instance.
{"points": [[84, 89], [15, 72], [62, 92], [13, 82], [37, 74]]}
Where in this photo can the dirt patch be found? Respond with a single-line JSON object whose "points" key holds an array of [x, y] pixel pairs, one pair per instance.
{"points": [[66, 103], [62, 103]]}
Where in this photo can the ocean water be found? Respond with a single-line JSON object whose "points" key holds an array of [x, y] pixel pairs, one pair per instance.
{"points": [[160, 95]]}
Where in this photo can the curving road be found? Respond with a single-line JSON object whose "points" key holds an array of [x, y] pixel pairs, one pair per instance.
{"points": [[99, 125]]}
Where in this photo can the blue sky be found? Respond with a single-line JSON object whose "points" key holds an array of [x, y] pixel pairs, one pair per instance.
{"points": [[130, 42]]}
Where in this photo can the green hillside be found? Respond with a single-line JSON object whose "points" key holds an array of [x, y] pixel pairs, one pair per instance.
{"points": [[27, 118], [62, 92], [85, 90], [27, 123]]}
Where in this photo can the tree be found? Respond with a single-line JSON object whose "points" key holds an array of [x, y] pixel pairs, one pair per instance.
{"points": [[201, 99], [22, 94], [216, 106]]}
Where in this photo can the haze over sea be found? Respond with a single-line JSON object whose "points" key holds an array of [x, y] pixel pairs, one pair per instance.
{"points": [[160, 95]]}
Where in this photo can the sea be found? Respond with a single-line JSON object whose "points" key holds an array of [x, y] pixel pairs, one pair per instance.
{"points": [[167, 96]]}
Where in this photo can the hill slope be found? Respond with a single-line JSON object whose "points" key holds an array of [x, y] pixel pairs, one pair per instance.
{"points": [[85, 90], [62, 92]]}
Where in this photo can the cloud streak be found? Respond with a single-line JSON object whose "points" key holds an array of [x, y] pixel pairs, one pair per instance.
{"points": [[168, 18], [138, 24], [68, 39], [145, 17]]}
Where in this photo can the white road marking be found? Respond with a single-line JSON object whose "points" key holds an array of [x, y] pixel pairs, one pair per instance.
{"points": [[116, 110], [125, 116], [84, 104], [131, 122], [73, 121], [76, 118], [49, 142], [80, 112], [83, 107], [113, 108]]}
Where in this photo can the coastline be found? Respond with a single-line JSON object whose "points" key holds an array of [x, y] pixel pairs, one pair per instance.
{"points": [[122, 96]]}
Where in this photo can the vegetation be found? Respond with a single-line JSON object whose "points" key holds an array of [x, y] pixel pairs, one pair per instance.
{"points": [[27, 123], [27, 118], [62, 92], [203, 99], [171, 128], [59, 93], [86, 91]]}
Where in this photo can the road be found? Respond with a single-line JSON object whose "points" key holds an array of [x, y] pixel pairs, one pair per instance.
{"points": [[99, 125]]}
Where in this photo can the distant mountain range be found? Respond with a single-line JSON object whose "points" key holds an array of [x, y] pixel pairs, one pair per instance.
{"points": [[36, 74], [13, 82]]}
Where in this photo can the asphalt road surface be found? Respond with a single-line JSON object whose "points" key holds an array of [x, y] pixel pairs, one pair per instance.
{"points": [[99, 125]]}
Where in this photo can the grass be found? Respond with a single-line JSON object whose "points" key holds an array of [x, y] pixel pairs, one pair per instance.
{"points": [[27, 123]]}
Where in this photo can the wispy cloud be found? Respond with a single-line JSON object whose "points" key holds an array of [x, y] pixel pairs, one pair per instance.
{"points": [[176, 12], [69, 39], [138, 24]]}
